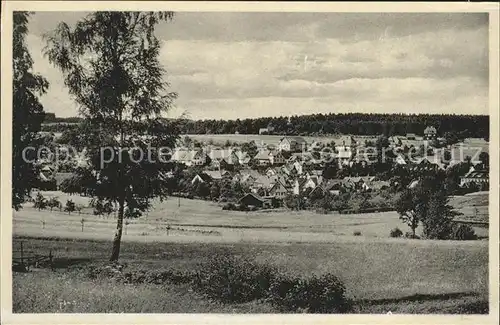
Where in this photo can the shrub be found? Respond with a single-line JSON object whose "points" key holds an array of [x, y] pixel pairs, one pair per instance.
{"points": [[318, 294], [234, 279], [411, 235], [396, 233], [70, 206], [463, 232], [53, 203], [40, 202], [357, 233], [229, 206]]}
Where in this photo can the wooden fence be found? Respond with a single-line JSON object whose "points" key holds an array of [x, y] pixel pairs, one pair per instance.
{"points": [[23, 260]]}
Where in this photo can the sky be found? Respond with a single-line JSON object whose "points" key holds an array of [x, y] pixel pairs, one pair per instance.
{"points": [[239, 65]]}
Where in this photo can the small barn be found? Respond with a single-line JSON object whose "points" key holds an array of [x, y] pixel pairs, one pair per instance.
{"points": [[252, 199]]}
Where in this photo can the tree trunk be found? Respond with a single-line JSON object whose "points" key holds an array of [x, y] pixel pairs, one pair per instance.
{"points": [[118, 233]]}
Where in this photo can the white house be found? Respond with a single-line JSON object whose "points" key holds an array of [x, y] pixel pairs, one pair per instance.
{"points": [[479, 177], [292, 144], [279, 190]]}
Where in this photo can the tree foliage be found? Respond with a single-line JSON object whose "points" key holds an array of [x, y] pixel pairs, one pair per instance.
{"points": [[54, 203], [110, 65], [69, 206], [40, 202], [427, 203], [27, 114]]}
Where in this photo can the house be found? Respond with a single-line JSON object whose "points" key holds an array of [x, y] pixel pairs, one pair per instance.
{"points": [[414, 183], [285, 170], [395, 141], [298, 185], [316, 145], [400, 160], [220, 164], [429, 163], [367, 156], [292, 144], [190, 157], [243, 157], [247, 176], [252, 199], [267, 130], [277, 158], [377, 185], [345, 141], [263, 158], [330, 186], [61, 177], [301, 156], [201, 178], [47, 172], [207, 176], [267, 157], [263, 182], [312, 181], [411, 136], [227, 155], [430, 133], [280, 189], [356, 183], [271, 172], [297, 167], [478, 177], [344, 155]]}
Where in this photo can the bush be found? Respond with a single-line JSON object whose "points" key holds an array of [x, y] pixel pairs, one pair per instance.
{"points": [[318, 294], [411, 235], [233, 279], [322, 211], [229, 206], [357, 233], [70, 206], [40, 202], [396, 233], [463, 232]]}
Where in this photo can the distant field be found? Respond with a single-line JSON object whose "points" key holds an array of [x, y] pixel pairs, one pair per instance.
{"points": [[205, 221], [267, 139], [474, 206]]}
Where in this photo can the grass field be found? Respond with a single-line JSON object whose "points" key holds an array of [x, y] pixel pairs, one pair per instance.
{"points": [[380, 273], [195, 220], [271, 139], [379, 276]]}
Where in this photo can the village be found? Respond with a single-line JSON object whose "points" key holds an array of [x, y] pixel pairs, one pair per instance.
{"points": [[270, 175]]}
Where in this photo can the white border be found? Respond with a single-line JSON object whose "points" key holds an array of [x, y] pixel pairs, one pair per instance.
{"points": [[6, 147]]}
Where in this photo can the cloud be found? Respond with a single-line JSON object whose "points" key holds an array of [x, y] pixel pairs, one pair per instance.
{"points": [[57, 98], [256, 64]]}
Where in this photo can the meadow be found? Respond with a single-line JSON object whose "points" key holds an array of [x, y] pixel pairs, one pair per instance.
{"points": [[381, 274], [380, 277], [184, 220]]}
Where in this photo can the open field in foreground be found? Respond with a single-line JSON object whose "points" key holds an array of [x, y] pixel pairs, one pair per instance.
{"points": [[380, 277], [380, 273]]}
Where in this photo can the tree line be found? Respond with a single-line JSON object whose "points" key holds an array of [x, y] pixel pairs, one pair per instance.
{"points": [[474, 126]]}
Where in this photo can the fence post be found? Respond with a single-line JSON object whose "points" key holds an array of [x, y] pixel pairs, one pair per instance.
{"points": [[22, 254]]}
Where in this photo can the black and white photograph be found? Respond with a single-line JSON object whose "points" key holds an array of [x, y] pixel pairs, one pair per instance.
{"points": [[165, 161]]}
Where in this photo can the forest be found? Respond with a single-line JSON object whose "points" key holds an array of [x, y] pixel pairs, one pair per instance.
{"points": [[475, 126]]}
